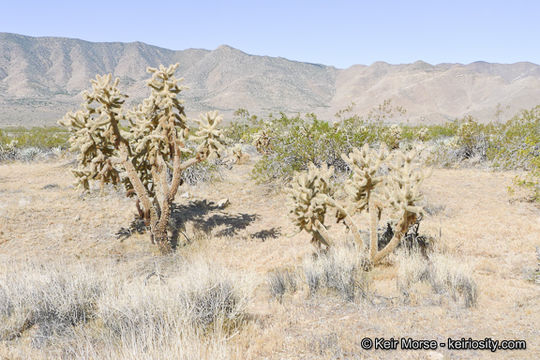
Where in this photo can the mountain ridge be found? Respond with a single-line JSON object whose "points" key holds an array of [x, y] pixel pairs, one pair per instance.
{"points": [[41, 78]]}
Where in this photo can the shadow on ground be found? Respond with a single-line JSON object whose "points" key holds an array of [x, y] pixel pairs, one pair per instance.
{"points": [[205, 217], [264, 235]]}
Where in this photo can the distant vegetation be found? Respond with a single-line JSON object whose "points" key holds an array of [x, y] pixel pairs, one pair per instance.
{"points": [[290, 143], [40, 137]]}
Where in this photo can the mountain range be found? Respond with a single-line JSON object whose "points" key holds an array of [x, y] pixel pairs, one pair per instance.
{"points": [[41, 78]]}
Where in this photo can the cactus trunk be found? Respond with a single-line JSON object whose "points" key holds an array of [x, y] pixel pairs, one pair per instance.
{"points": [[161, 238]]}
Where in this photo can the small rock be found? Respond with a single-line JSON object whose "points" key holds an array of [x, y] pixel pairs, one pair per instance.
{"points": [[78, 217], [185, 195], [223, 203]]}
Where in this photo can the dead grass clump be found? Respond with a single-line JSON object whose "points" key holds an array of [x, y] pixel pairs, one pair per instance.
{"points": [[281, 282], [175, 343], [446, 276], [201, 297], [341, 270], [48, 300], [176, 309], [454, 277]]}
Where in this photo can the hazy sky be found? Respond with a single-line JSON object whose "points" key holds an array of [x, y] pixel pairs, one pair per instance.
{"points": [[339, 33]]}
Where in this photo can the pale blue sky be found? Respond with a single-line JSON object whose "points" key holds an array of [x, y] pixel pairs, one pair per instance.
{"points": [[339, 33]]}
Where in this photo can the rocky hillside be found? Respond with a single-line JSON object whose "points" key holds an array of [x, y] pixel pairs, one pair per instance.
{"points": [[42, 78]]}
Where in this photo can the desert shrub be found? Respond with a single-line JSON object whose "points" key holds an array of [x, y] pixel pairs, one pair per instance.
{"points": [[289, 144], [243, 127], [54, 300], [517, 146], [204, 171], [187, 308], [202, 297], [469, 143], [446, 276], [9, 152], [28, 154], [179, 342], [36, 137], [341, 270], [472, 138], [22, 144], [280, 282], [295, 142]]}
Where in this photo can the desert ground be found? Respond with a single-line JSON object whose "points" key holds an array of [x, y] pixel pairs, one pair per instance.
{"points": [[473, 220]]}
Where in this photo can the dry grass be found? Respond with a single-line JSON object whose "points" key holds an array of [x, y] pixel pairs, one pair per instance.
{"points": [[492, 240]]}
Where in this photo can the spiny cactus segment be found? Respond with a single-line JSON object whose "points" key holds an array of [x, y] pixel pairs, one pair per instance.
{"points": [[94, 132], [210, 135], [365, 164], [309, 197]]}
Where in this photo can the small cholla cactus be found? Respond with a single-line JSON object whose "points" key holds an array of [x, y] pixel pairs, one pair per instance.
{"points": [[237, 153], [144, 157], [261, 141], [466, 135], [392, 136], [423, 134], [367, 190], [309, 199]]}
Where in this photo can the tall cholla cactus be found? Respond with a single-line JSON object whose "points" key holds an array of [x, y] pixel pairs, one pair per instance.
{"points": [[309, 199], [153, 148], [367, 191]]}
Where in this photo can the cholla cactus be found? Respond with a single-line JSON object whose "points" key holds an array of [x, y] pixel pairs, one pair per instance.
{"points": [[423, 134], [261, 141], [466, 135], [402, 193], [367, 191], [153, 149], [392, 136], [209, 135], [309, 196], [92, 134], [365, 165], [237, 153]]}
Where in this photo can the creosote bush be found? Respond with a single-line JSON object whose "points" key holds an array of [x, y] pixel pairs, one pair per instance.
{"points": [[516, 145], [151, 156]]}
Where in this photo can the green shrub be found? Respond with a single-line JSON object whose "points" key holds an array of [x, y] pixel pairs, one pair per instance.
{"points": [[516, 145], [243, 127], [39, 137]]}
